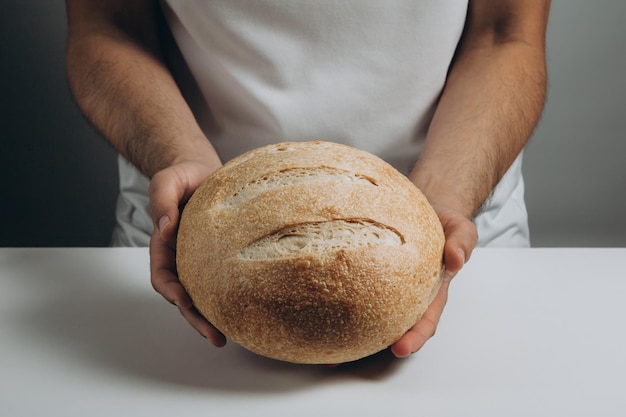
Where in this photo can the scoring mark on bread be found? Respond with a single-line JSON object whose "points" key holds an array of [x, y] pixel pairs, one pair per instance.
{"points": [[320, 237], [293, 176]]}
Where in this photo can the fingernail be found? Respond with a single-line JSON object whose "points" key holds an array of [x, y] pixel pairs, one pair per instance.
{"points": [[163, 222], [462, 253]]}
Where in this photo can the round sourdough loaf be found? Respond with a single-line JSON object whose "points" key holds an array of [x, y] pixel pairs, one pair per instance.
{"points": [[310, 252]]}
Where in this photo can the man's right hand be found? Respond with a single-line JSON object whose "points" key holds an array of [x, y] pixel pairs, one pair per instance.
{"points": [[170, 189]]}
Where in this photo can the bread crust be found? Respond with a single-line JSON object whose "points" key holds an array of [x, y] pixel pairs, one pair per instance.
{"points": [[328, 305]]}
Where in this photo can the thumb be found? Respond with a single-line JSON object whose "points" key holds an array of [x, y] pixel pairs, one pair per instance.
{"points": [[453, 261], [461, 238], [168, 191]]}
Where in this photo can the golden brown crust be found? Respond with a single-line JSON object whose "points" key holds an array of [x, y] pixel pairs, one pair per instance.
{"points": [[325, 306]]}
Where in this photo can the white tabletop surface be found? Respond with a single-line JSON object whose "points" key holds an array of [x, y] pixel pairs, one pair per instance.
{"points": [[535, 332]]}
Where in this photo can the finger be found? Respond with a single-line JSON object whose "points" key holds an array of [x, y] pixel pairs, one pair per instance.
{"points": [[166, 283], [172, 291], [425, 328], [162, 275], [203, 327]]}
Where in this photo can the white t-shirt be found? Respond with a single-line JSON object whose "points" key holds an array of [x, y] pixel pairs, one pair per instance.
{"points": [[364, 73]]}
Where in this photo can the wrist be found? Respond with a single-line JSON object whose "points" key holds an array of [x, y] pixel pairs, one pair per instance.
{"points": [[445, 194], [196, 151]]}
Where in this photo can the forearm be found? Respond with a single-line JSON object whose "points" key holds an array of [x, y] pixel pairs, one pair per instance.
{"points": [[489, 107], [124, 88]]}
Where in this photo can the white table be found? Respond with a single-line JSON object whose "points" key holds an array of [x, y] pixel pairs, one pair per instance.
{"points": [[536, 332]]}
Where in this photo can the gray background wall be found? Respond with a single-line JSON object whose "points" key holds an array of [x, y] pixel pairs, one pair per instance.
{"points": [[58, 178], [576, 162]]}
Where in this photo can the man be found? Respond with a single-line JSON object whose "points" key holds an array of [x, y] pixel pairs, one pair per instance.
{"points": [[459, 83]]}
